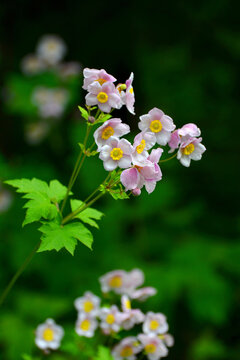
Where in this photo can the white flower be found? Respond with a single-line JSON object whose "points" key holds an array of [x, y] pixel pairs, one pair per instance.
{"points": [[142, 142], [49, 335], [191, 149], [134, 316], [154, 348], [111, 127], [36, 132], [116, 153], [126, 303], [143, 293], [50, 102], [85, 325], [159, 124], [155, 323], [114, 281], [51, 49], [111, 319], [88, 303], [167, 339], [32, 65], [127, 349]]}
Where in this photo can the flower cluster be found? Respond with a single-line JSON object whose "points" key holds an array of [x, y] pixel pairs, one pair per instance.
{"points": [[148, 332], [140, 166]]}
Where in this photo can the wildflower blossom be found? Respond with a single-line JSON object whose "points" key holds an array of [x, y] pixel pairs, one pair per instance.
{"points": [[51, 49], [126, 349], [112, 127], [111, 319], [142, 142], [183, 134], [147, 175], [50, 102], [154, 348], [116, 153], [36, 132], [155, 323], [159, 124], [67, 70], [86, 325], [114, 281], [88, 303], [105, 96], [49, 335], [127, 94], [133, 316], [32, 65], [93, 75], [167, 339], [143, 293], [191, 149]]}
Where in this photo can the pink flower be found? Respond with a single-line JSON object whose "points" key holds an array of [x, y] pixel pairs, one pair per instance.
{"points": [[155, 323], [92, 75], [148, 175], [191, 149], [159, 124], [88, 304], [142, 142], [183, 134], [105, 96], [116, 153], [114, 280], [126, 349], [153, 347], [143, 293], [111, 319], [112, 127], [127, 94]]}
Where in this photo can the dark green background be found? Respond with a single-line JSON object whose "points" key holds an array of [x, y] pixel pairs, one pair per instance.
{"points": [[184, 55]]}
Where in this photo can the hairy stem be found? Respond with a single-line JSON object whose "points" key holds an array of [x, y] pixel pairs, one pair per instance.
{"points": [[18, 273]]}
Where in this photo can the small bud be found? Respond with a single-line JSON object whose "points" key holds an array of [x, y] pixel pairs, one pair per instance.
{"points": [[91, 119], [136, 192]]}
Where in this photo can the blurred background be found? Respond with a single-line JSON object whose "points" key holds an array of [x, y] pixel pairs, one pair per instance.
{"points": [[184, 236]]}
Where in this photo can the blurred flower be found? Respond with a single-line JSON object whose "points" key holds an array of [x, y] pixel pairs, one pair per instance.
{"points": [[126, 303], [51, 49], [50, 102], [111, 319], [32, 65], [133, 316], [155, 323], [69, 69], [93, 75], [192, 149], [112, 127], [116, 153], [143, 293], [114, 281], [153, 347], [86, 325], [167, 339], [183, 134], [126, 349], [159, 124], [88, 303], [6, 199], [36, 132], [105, 96], [142, 142], [49, 335]]}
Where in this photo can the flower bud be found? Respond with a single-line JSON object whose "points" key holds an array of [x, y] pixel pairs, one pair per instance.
{"points": [[136, 192], [91, 119]]}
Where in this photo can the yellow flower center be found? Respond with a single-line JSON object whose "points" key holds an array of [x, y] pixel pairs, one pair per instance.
{"points": [[141, 146], [88, 306], [116, 153], [107, 132], [126, 351], [121, 87], [154, 325], [48, 334], [188, 149], [115, 281], [102, 97], [52, 45], [110, 319], [101, 81], [85, 325], [131, 90], [128, 304], [150, 348], [156, 126]]}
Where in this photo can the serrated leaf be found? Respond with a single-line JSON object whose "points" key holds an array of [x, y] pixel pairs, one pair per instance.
{"points": [[84, 112], [104, 353], [27, 185], [57, 237], [118, 194], [57, 191], [39, 206], [88, 215]]}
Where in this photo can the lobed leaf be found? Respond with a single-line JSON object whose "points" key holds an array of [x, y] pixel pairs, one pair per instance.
{"points": [[88, 215]]}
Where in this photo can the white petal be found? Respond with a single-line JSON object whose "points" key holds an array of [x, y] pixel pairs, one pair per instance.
{"points": [[110, 165]]}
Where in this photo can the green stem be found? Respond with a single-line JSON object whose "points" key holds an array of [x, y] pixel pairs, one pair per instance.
{"points": [[18, 273], [76, 169], [170, 158]]}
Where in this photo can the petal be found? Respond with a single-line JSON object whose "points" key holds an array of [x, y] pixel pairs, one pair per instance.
{"points": [[155, 155], [105, 152], [126, 146], [110, 165], [185, 160], [91, 99], [129, 178], [125, 162], [163, 137], [106, 108], [167, 123], [156, 114]]}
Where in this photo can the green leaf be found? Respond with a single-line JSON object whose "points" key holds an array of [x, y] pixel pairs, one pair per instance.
{"points": [[57, 237], [118, 193], [84, 113], [104, 353], [102, 118], [88, 215], [42, 199]]}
